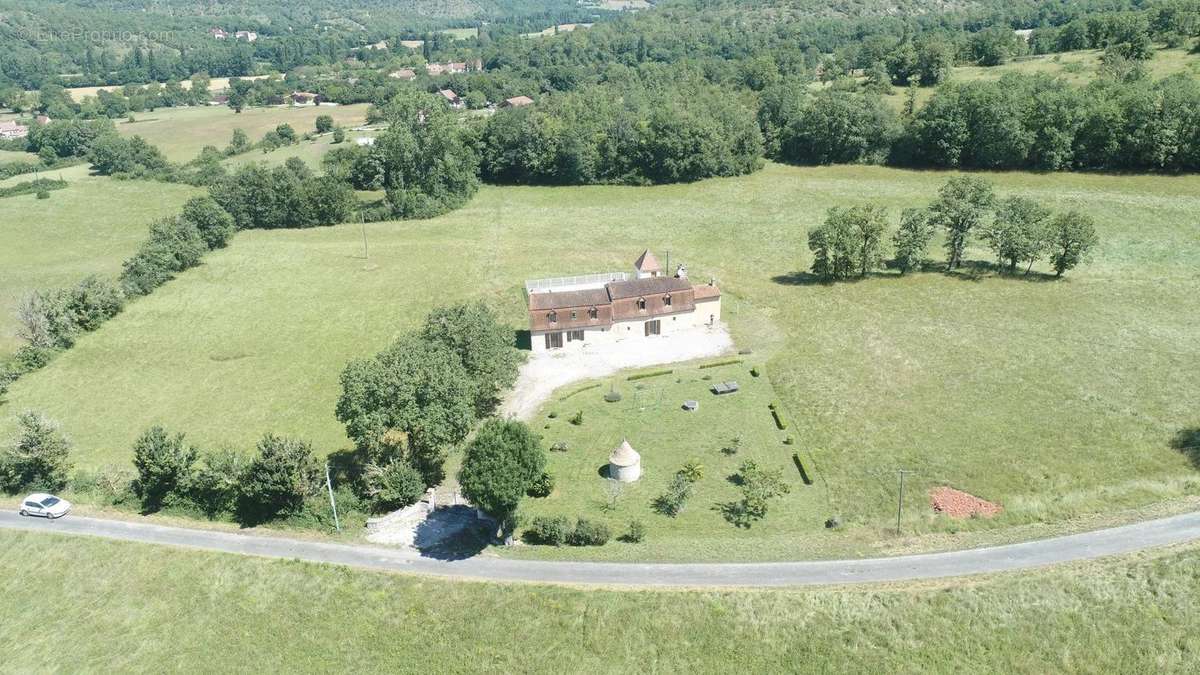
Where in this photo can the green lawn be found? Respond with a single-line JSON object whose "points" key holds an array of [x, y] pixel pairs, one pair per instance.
{"points": [[1055, 399], [79, 604], [462, 33], [16, 156], [650, 414], [181, 132], [309, 151], [88, 227]]}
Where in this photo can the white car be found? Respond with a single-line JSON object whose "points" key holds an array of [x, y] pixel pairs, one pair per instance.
{"points": [[44, 505]]}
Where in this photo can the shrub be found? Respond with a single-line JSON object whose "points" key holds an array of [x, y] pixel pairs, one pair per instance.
{"points": [[789, 440], [577, 418], [560, 446], [39, 458], [758, 486], [164, 466], [717, 364], [754, 372], [693, 471], [339, 135], [636, 533], [550, 531], [112, 484], [552, 415], [43, 194], [277, 480], [213, 223], [780, 420], [542, 487], [174, 246], [612, 396], [731, 448], [392, 486], [214, 486], [580, 390], [324, 124], [589, 533]]}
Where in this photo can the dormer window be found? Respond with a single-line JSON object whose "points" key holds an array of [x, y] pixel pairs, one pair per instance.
{"points": [[593, 314], [667, 300], [641, 304], [573, 315], [553, 317]]}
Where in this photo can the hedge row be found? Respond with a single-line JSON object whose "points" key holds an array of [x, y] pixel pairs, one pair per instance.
{"points": [[653, 373], [777, 413], [717, 364], [580, 390]]}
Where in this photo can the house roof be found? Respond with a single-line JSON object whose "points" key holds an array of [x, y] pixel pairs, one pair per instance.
{"points": [[624, 455], [706, 291], [518, 101], [9, 124], [647, 262], [648, 286], [583, 298], [448, 94]]}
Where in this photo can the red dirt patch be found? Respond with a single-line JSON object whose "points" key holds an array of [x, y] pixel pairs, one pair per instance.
{"points": [[959, 504]]}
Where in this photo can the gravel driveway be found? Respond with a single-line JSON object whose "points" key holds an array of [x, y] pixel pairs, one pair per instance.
{"points": [[545, 372]]}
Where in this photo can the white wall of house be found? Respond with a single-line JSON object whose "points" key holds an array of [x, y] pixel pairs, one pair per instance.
{"points": [[706, 313]]}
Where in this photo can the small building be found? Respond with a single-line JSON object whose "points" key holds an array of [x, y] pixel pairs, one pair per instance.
{"points": [[451, 98], [247, 35], [624, 463], [217, 33], [434, 69], [304, 98], [382, 45], [607, 308], [365, 141], [10, 130], [403, 74], [42, 120], [516, 102]]}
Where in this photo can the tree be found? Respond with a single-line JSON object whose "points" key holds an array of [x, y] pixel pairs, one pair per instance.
{"points": [[114, 155], [759, 486], [429, 168], [993, 46], [339, 135], [1018, 232], [392, 486], [850, 240], [961, 205], [174, 246], [499, 465], [278, 479], [39, 457], [239, 142], [485, 347], [214, 223], [912, 239], [1072, 237], [164, 465], [286, 133], [413, 401], [324, 124]]}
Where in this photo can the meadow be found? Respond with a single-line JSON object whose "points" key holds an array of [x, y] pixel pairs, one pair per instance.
{"points": [[1058, 399], [180, 133], [115, 606], [89, 227]]}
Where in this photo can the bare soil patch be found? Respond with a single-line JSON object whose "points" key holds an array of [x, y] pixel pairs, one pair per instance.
{"points": [[959, 504]]}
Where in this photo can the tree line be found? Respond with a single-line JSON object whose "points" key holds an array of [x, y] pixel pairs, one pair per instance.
{"points": [[852, 241]]}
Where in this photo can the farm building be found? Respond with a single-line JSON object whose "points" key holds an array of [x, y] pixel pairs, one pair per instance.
{"points": [[10, 130], [598, 309], [451, 98], [516, 102]]}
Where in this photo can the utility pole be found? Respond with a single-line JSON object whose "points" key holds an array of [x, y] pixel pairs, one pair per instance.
{"points": [[332, 503], [363, 222], [900, 504]]}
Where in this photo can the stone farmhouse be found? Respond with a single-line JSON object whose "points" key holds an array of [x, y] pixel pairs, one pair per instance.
{"points": [[598, 309], [11, 130]]}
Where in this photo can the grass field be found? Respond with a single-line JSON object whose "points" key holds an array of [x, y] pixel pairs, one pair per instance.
{"points": [[15, 156], [216, 84], [309, 151], [88, 227], [1054, 398], [101, 605], [181, 132], [1078, 68], [462, 33]]}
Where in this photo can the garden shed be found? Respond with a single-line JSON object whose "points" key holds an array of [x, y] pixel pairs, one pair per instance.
{"points": [[624, 463]]}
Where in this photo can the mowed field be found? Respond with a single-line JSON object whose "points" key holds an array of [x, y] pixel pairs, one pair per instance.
{"points": [[89, 227], [1053, 398], [114, 606], [181, 132]]}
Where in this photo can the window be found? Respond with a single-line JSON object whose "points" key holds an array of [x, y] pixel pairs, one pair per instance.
{"points": [[653, 328], [554, 340], [667, 299], [593, 314], [641, 304], [574, 336], [574, 315], [553, 316]]}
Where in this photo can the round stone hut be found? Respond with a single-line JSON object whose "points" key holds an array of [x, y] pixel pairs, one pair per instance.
{"points": [[624, 464]]}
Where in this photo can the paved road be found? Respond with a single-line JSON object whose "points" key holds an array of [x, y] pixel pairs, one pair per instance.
{"points": [[1085, 546]]}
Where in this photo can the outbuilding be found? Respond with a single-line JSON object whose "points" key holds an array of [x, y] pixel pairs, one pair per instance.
{"points": [[624, 463]]}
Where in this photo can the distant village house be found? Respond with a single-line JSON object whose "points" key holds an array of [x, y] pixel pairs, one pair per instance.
{"points": [[516, 102], [11, 130], [304, 98], [403, 74], [451, 98], [599, 309]]}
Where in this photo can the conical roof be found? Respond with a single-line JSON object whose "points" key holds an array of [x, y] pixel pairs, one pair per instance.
{"points": [[624, 455], [647, 262]]}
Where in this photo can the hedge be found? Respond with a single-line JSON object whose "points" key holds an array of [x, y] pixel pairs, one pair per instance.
{"points": [[653, 373], [717, 364], [780, 421], [800, 467], [580, 390]]}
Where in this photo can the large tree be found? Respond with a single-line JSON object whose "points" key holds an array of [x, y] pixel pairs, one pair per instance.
{"points": [[1018, 232], [850, 240], [499, 466], [413, 400], [163, 462], [485, 347], [283, 473], [962, 204], [912, 239], [429, 168], [39, 457]]}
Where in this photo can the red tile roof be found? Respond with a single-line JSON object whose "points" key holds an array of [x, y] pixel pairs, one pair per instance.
{"points": [[648, 286], [647, 262], [706, 291], [564, 299]]}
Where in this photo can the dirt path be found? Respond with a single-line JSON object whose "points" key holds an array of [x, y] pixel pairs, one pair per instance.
{"points": [[545, 372]]}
